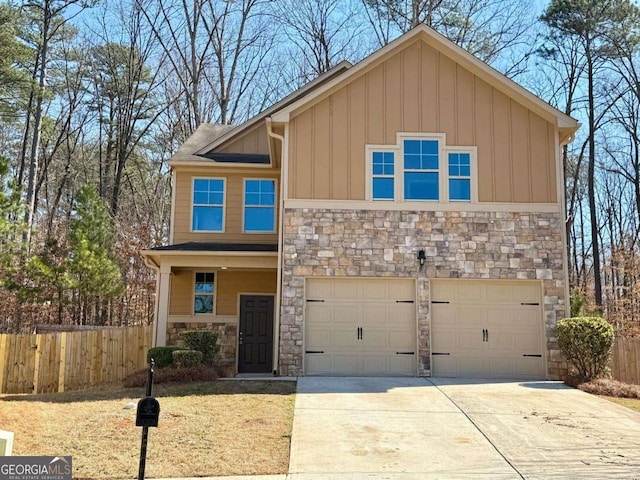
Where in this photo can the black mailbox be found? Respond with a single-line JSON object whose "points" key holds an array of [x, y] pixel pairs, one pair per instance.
{"points": [[148, 412]]}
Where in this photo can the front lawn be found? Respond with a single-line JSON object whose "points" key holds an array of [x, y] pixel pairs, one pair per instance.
{"points": [[205, 429]]}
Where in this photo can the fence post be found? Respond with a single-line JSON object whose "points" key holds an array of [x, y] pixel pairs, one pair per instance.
{"points": [[4, 356], [36, 369], [63, 362]]}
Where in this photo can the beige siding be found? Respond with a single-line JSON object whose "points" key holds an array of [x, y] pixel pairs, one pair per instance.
{"points": [[232, 283], [233, 206], [229, 284], [254, 141], [419, 89], [182, 291]]}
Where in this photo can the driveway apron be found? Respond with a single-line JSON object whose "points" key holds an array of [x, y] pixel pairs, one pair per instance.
{"points": [[417, 428]]}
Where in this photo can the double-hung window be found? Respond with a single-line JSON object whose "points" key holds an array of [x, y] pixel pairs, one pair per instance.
{"points": [[459, 177], [208, 205], [259, 205], [204, 292], [421, 170], [383, 175]]}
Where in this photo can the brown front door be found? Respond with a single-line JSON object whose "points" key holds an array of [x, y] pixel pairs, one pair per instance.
{"points": [[255, 337]]}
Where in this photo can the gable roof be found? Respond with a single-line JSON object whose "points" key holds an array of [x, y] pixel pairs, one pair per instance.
{"points": [[566, 124]]}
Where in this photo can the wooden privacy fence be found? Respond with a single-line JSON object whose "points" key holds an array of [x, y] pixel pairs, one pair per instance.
{"points": [[626, 360], [58, 362]]}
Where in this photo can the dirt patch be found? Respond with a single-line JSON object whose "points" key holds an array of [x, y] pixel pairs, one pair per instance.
{"points": [[206, 429]]}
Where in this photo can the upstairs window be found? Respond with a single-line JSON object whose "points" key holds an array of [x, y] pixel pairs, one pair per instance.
{"points": [[421, 174], [459, 177], [421, 169], [208, 205], [383, 173], [259, 206], [204, 292]]}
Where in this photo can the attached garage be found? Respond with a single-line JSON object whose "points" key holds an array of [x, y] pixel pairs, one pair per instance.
{"points": [[360, 327], [487, 328]]}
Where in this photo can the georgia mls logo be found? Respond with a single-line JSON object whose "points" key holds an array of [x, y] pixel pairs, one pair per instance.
{"points": [[35, 468]]}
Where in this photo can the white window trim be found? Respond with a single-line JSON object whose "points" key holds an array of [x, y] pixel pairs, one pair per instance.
{"points": [[473, 155], [443, 168], [275, 204], [214, 294], [224, 204], [370, 149], [441, 139]]}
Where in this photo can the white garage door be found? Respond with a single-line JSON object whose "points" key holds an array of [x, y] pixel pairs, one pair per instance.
{"points": [[360, 327], [487, 328]]}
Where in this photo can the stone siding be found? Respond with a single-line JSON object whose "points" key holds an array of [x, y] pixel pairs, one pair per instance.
{"points": [[227, 334], [377, 243]]}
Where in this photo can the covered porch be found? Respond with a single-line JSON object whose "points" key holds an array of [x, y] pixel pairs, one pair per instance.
{"points": [[230, 289]]}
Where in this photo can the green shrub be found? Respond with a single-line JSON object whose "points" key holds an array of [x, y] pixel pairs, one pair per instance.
{"points": [[186, 358], [162, 355], [203, 341], [586, 344]]}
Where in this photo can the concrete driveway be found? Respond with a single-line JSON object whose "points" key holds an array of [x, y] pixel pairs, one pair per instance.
{"points": [[416, 428]]}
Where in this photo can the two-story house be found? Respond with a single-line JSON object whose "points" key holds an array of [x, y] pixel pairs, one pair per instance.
{"points": [[402, 216]]}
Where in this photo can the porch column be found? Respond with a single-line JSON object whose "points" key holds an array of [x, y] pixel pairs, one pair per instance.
{"points": [[162, 316]]}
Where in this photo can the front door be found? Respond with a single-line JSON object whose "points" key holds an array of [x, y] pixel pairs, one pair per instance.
{"points": [[255, 337]]}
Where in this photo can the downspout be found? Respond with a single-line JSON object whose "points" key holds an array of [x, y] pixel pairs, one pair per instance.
{"points": [[276, 346], [148, 261]]}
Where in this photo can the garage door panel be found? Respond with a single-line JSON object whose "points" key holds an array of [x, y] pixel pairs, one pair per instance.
{"points": [[373, 290], [445, 365], [443, 340], [374, 338], [318, 338], [475, 366], [323, 314], [486, 329], [470, 315], [401, 364], [401, 340], [319, 364], [469, 340], [367, 324], [374, 315], [345, 364], [529, 367]]}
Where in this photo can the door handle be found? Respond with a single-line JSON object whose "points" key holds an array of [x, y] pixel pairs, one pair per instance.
{"points": [[487, 335], [240, 338], [484, 334]]}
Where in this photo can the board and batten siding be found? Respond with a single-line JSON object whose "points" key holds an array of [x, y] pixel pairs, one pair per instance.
{"points": [[228, 285], [234, 204], [418, 89], [254, 141]]}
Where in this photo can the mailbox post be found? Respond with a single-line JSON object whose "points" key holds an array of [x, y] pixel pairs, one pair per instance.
{"points": [[147, 415]]}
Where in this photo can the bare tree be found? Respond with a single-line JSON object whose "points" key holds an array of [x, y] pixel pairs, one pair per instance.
{"points": [[319, 33], [49, 18], [497, 32]]}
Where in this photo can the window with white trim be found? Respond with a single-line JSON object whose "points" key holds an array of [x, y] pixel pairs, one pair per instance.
{"points": [[259, 206], [208, 205], [421, 169], [204, 292], [459, 176], [383, 175]]}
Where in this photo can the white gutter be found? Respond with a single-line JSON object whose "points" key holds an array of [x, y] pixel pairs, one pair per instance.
{"points": [[276, 330]]}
